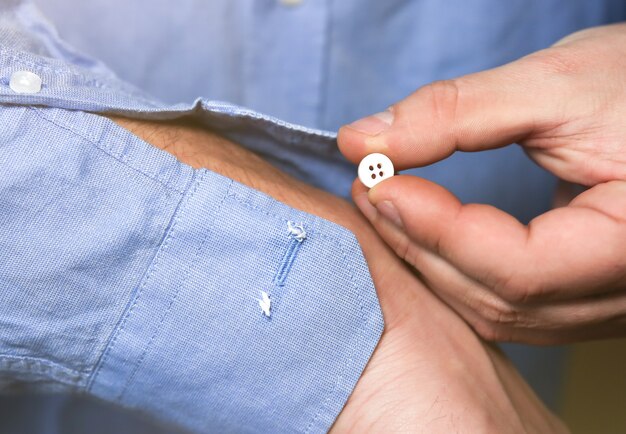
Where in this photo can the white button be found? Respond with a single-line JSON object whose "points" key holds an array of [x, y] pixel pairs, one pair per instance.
{"points": [[290, 2], [25, 82], [374, 168]]}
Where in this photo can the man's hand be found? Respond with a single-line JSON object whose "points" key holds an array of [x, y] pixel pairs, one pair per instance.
{"points": [[430, 372], [562, 278]]}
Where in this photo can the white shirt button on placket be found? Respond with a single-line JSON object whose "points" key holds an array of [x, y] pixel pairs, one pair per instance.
{"points": [[25, 82]]}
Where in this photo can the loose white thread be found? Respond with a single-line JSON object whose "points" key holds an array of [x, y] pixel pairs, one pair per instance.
{"points": [[265, 303], [297, 230]]}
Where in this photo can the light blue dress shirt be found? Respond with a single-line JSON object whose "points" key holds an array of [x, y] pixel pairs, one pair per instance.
{"points": [[131, 277]]}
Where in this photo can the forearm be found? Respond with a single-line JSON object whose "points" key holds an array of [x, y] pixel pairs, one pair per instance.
{"points": [[200, 148]]}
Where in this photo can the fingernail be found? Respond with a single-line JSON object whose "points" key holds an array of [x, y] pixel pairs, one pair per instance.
{"points": [[363, 203], [374, 124], [389, 211]]}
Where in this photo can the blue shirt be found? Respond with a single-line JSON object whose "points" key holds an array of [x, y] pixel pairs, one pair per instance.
{"points": [[129, 276]]}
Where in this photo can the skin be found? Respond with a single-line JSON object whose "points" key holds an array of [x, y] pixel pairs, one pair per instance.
{"points": [[559, 279], [430, 372]]}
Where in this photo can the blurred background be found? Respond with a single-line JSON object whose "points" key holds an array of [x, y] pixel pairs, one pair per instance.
{"points": [[594, 395]]}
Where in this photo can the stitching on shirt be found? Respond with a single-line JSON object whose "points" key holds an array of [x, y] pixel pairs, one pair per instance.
{"points": [[287, 261], [325, 68], [208, 231], [297, 235], [359, 299], [84, 76], [121, 158], [45, 67], [37, 365], [249, 205], [356, 341], [153, 268]]}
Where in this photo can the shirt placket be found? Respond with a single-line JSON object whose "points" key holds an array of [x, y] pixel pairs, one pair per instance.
{"points": [[285, 58]]}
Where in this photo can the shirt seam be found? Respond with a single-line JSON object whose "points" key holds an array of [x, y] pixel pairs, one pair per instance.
{"points": [[325, 65], [349, 361], [249, 205], [52, 370], [190, 267], [87, 76], [14, 56], [359, 298], [153, 267], [118, 158]]}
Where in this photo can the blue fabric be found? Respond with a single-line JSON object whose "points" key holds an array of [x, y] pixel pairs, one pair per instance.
{"points": [[329, 62], [324, 63], [132, 277], [128, 275]]}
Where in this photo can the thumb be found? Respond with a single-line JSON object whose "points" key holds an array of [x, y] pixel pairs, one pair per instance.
{"points": [[476, 112]]}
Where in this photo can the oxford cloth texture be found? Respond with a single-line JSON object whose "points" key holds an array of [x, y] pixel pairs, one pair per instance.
{"points": [[132, 277]]}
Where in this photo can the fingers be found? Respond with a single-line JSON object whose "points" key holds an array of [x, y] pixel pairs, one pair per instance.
{"points": [[493, 317], [496, 319], [566, 253], [476, 112]]}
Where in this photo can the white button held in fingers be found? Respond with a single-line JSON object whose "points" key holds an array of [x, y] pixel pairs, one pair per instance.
{"points": [[375, 168]]}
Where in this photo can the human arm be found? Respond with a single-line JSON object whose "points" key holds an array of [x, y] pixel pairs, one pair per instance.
{"points": [[429, 371]]}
